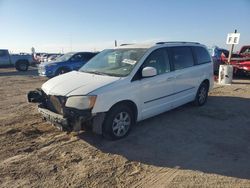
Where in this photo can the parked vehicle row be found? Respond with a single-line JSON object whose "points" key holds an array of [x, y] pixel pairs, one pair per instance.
{"points": [[119, 87], [21, 62], [46, 57], [240, 60], [66, 63]]}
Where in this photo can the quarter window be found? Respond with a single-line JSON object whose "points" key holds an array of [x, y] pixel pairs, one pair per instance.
{"points": [[182, 57]]}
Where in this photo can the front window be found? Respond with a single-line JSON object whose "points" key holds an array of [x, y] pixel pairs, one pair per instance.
{"points": [[114, 62], [3, 53]]}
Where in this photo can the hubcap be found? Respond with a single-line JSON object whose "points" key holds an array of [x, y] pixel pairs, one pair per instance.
{"points": [[121, 124], [22, 66], [202, 95], [62, 72]]}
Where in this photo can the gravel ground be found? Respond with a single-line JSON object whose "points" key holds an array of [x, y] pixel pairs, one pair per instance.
{"points": [[190, 146]]}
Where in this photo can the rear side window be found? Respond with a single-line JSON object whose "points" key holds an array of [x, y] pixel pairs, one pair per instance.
{"points": [[202, 55], [182, 57]]}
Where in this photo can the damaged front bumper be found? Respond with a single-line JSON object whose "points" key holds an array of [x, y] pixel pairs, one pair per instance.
{"points": [[56, 119], [67, 119]]}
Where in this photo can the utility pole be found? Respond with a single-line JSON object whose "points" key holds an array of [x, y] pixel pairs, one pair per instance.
{"points": [[115, 43], [231, 50], [70, 43]]}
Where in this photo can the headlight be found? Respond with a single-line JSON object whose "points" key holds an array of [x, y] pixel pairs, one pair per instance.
{"points": [[81, 102]]}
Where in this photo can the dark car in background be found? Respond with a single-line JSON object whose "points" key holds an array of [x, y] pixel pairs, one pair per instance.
{"points": [[219, 56], [66, 63], [216, 53]]}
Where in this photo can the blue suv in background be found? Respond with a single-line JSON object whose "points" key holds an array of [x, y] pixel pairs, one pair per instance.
{"points": [[66, 63]]}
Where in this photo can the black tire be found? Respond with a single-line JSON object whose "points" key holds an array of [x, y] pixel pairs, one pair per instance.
{"points": [[202, 94], [22, 65], [240, 73], [62, 71], [118, 122]]}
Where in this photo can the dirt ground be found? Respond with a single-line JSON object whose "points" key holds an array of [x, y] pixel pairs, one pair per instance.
{"points": [[190, 146]]}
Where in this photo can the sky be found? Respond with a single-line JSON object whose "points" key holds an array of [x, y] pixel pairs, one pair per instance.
{"points": [[92, 25]]}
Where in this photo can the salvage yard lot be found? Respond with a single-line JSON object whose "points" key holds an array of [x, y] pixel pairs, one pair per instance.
{"points": [[188, 146]]}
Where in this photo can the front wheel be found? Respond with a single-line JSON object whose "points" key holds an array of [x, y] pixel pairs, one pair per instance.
{"points": [[61, 71], [202, 94], [118, 122]]}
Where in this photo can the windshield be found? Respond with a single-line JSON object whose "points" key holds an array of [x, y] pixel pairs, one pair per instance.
{"points": [[114, 62], [65, 57]]}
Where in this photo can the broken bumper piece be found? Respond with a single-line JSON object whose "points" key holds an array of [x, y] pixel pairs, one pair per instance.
{"points": [[56, 119], [67, 119]]}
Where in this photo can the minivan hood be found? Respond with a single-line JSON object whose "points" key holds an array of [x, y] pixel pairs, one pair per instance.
{"points": [[76, 83]]}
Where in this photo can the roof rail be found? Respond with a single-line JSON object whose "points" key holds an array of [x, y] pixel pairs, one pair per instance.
{"points": [[169, 42], [125, 44]]}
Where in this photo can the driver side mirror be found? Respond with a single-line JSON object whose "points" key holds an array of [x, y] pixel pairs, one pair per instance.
{"points": [[149, 72]]}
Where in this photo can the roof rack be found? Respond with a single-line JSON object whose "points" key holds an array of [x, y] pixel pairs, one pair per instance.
{"points": [[125, 44], [169, 42]]}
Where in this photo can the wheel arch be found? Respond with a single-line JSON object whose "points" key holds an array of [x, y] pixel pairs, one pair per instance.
{"points": [[67, 68], [22, 61], [207, 82], [64, 67], [130, 104]]}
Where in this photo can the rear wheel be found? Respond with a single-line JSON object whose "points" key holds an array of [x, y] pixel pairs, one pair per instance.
{"points": [[22, 65], [118, 122], [202, 94]]}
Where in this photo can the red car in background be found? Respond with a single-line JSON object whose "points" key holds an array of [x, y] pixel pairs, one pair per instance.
{"points": [[240, 61], [245, 51]]}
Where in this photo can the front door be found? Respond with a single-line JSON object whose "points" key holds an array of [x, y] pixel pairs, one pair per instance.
{"points": [[156, 92], [4, 57]]}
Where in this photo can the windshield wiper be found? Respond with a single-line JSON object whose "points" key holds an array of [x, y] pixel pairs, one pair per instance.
{"points": [[95, 72], [102, 73]]}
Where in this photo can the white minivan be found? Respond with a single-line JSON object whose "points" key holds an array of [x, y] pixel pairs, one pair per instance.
{"points": [[127, 84]]}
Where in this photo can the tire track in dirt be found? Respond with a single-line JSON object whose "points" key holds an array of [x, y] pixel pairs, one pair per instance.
{"points": [[158, 178]]}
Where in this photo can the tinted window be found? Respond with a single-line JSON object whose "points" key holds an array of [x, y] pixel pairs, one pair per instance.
{"points": [[182, 57], [159, 60], [88, 56], [201, 55], [3, 53], [77, 58]]}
